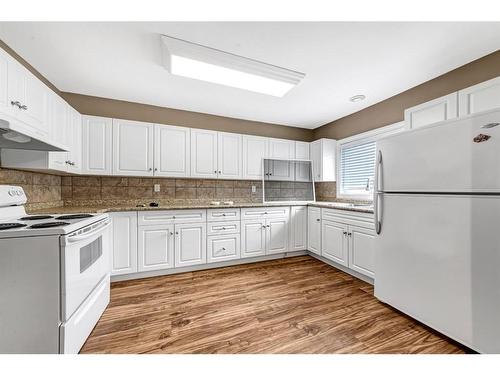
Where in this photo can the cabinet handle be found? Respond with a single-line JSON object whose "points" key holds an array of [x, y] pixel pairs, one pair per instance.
{"points": [[177, 233], [318, 219], [267, 226], [23, 107], [224, 249], [15, 103], [220, 172], [171, 233], [215, 171], [349, 234], [223, 214], [345, 233], [150, 169], [156, 169], [264, 226]]}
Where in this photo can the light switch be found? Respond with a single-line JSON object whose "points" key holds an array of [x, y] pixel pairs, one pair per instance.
{"points": [[254, 189], [156, 188]]}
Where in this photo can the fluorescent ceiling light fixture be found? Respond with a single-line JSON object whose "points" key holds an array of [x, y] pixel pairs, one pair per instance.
{"points": [[195, 61]]}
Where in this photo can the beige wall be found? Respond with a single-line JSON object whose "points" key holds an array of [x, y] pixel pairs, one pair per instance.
{"points": [[91, 105], [391, 110]]}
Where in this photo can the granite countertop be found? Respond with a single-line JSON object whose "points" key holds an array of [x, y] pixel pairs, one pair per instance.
{"points": [[103, 207]]}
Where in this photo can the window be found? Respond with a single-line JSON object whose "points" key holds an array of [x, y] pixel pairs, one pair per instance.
{"points": [[357, 168], [356, 162]]}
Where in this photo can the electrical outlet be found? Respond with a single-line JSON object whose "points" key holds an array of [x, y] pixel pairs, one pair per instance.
{"points": [[156, 188], [254, 189]]}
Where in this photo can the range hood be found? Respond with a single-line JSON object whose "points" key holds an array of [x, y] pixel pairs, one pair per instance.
{"points": [[13, 134]]}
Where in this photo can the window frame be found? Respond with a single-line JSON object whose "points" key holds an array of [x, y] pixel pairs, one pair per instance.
{"points": [[369, 136]]}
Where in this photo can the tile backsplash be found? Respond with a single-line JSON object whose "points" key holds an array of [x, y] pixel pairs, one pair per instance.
{"points": [[87, 188], [325, 191], [43, 190]]}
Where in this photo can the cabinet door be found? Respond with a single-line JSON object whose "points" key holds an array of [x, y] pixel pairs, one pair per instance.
{"points": [[75, 153], [36, 104], [280, 169], [229, 155], [203, 153], [155, 247], [124, 239], [172, 151], [481, 97], [361, 250], [190, 244], [96, 145], [315, 152], [440, 109], [132, 148], [302, 170], [5, 106], [60, 132], [334, 241], [277, 235], [314, 229], [298, 228], [223, 248], [254, 150], [16, 86], [253, 238]]}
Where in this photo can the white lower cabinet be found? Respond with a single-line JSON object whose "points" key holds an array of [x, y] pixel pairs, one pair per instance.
{"points": [[314, 229], [190, 244], [298, 228], [334, 242], [277, 235], [253, 238], [124, 243], [223, 248], [361, 251], [155, 247]]}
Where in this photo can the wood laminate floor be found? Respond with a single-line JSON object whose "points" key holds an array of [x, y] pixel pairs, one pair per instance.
{"points": [[293, 305]]}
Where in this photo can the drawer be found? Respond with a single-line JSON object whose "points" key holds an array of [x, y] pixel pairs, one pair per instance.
{"points": [[76, 330], [223, 214], [361, 219], [171, 217], [264, 212], [224, 227], [222, 248]]}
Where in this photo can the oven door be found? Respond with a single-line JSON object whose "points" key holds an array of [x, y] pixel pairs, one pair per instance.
{"points": [[85, 262]]}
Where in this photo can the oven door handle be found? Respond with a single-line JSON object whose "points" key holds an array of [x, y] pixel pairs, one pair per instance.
{"points": [[98, 229]]}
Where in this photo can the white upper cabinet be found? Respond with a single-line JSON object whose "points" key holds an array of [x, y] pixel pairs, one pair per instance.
{"points": [[97, 145], [281, 149], [5, 106], [172, 151], [323, 154], [36, 104], [132, 148], [440, 109], [229, 158], [254, 150], [204, 153], [302, 150], [481, 97], [75, 150]]}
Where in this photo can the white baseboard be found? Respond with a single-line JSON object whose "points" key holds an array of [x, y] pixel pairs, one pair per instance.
{"points": [[173, 271]]}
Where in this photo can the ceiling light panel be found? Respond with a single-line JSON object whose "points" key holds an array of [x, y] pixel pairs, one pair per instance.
{"points": [[195, 61]]}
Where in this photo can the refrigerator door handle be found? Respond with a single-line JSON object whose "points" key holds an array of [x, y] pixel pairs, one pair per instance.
{"points": [[376, 194], [377, 211]]}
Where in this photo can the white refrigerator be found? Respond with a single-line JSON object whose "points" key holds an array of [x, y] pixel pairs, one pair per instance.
{"points": [[437, 216]]}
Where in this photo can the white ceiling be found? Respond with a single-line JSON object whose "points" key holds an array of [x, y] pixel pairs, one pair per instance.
{"points": [[123, 61]]}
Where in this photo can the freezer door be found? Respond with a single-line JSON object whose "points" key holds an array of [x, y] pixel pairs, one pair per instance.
{"points": [[437, 259], [453, 156]]}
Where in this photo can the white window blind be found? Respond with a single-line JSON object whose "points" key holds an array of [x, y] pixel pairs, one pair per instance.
{"points": [[357, 167]]}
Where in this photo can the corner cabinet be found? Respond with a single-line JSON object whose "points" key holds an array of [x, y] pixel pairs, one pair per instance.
{"points": [[314, 229], [132, 148], [323, 154], [124, 243], [97, 145]]}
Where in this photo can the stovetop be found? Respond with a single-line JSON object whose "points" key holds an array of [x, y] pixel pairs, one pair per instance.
{"points": [[41, 225]]}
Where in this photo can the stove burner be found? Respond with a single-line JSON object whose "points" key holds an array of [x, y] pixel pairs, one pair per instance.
{"points": [[50, 224], [74, 216], [11, 225], [36, 217]]}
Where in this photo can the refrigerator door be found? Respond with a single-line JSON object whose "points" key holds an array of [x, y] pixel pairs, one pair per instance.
{"points": [[437, 259], [453, 156]]}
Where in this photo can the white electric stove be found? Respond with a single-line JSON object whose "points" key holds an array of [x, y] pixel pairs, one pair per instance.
{"points": [[54, 277]]}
